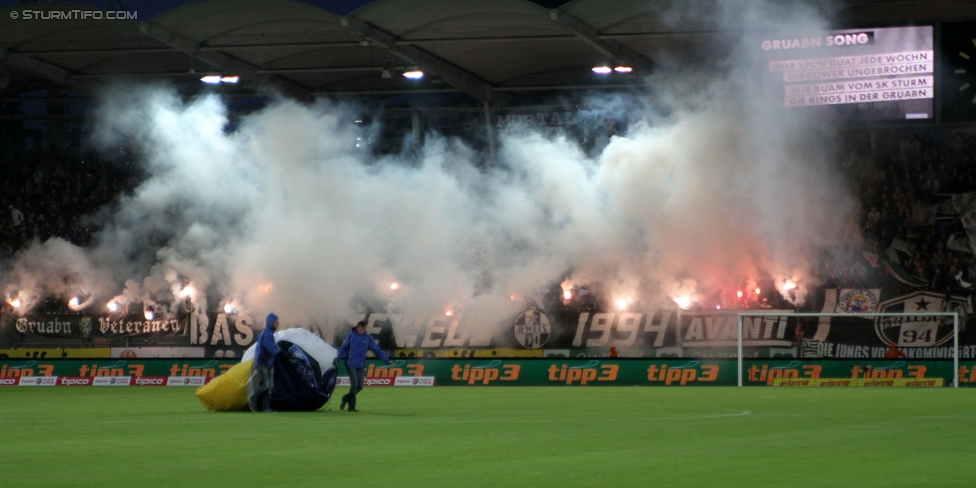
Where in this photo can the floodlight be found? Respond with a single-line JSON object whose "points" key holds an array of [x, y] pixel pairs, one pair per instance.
{"points": [[216, 79], [602, 67]]}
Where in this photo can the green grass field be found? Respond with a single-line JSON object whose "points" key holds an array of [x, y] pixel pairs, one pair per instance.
{"points": [[495, 437]]}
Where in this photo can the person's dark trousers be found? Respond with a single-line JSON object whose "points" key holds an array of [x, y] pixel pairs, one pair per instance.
{"points": [[262, 382], [357, 378]]}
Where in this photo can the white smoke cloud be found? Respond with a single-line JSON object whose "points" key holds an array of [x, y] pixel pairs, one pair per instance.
{"points": [[285, 213]]}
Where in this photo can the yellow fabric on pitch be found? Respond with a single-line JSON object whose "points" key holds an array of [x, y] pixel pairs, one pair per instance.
{"points": [[227, 392]]}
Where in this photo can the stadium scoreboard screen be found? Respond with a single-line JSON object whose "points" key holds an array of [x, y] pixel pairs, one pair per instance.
{"points": [[885, 73]]}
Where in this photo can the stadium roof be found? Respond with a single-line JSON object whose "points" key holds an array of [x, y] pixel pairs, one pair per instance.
{"points": [[482, 50]]}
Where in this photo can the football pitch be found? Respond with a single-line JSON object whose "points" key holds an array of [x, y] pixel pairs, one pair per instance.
{"points": [[495, 437]]}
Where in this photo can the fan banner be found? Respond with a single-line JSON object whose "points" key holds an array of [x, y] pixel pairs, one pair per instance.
{"points": [[857, 300], [705, 334], [74, 326], [215, 335], [667, 332]]}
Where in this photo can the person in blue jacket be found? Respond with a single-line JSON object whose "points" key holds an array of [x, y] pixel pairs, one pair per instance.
{"points": [[354, 347], [262, 371]]}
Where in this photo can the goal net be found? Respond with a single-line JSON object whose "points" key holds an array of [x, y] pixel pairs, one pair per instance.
{"points": [[851, 349]]}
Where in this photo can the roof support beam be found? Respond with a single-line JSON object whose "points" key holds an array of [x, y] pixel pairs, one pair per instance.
{"points": [[48, 71], [221, 62], [449, 73], [346, 44], [606, 47]]}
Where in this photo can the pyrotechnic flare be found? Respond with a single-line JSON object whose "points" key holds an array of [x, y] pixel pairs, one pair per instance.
{"points": [[77, 303]]}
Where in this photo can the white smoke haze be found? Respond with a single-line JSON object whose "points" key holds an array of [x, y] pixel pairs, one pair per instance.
{"points": [[284, 213], [54, 268]]}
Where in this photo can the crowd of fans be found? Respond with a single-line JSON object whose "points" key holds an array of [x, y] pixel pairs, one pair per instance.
{"points": [[911, 233], [47, 194], [906, 182]]}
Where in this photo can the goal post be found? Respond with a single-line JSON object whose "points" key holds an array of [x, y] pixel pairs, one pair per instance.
{"points": [[850, 349]]}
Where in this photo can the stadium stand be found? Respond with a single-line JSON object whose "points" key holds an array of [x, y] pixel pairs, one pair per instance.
{"points": [[905, 180]]}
